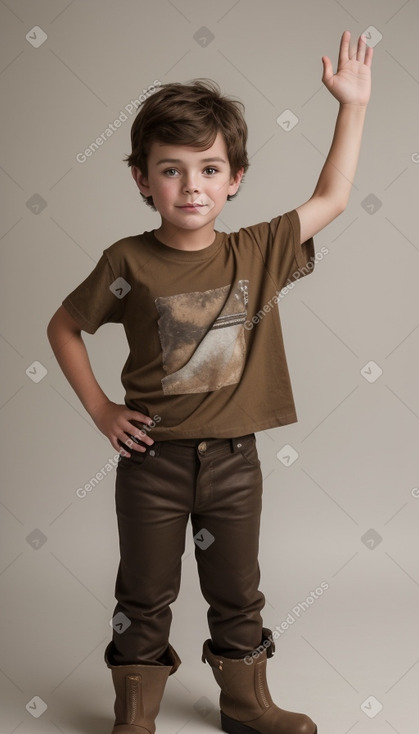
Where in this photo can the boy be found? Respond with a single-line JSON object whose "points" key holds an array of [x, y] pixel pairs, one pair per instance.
{"points": [[203, 373]]}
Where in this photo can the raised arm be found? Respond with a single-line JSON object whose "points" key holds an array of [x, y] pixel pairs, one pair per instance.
{"points": [[351, 85]]}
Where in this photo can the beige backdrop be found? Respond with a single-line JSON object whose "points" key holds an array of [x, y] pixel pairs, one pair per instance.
{"points": [[342, 510]]}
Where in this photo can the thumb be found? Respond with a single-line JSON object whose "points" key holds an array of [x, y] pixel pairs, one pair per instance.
{"points": [[327, 69]]}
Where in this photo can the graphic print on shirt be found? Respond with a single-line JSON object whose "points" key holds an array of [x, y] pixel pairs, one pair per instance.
{"points": [[202, 338]]}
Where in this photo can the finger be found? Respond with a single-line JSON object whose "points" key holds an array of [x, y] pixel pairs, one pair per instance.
{"points": [[327, 69], [139, 437], [368, 56], [344, 49], [126, 446], [117, 446], [135, 440], [122, 451], [360, 52], [135, 415], [138, 433], [353, 50], [135, 443]]}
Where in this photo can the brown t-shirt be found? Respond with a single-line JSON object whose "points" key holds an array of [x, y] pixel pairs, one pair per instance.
{"points": [[206, 353]]}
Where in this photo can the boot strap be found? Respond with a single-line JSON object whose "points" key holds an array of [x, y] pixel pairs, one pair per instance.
{"points": [[266, 635]]}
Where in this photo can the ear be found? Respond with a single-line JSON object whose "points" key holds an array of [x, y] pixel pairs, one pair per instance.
{"points": [[141, 181], [235, 182]]}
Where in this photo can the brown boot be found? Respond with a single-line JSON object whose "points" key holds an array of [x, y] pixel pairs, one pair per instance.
{"points": [[139, 690], [245, 702]]}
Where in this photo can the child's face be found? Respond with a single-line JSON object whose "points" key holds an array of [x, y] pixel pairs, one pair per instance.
{"points": [[189, 186]]}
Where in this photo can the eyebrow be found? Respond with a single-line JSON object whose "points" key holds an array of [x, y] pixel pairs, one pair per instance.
{"points": [[203, 160]]}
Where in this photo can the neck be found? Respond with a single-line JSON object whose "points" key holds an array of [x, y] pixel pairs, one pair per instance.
{"points": [[185, 239]]}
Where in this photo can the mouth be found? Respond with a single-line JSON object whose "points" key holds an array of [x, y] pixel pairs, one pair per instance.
{"points": [[191, 206]]}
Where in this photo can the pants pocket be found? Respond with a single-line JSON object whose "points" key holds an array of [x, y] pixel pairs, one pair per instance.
{"points": [[248, 449]]}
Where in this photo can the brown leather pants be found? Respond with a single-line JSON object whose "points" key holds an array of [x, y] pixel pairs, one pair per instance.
{"points": [[219, 483]]}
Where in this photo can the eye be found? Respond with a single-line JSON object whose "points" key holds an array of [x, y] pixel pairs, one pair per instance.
{"points": [[211, 168], [170, 172]]}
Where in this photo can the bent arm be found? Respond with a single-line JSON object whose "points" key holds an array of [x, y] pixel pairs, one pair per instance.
{"points": [[64, 335]]}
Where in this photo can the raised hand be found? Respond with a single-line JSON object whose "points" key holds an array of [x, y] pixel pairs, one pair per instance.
{"points": [[352, 82]]}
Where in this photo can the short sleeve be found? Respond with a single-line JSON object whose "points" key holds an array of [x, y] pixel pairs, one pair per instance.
{"points": [[93, 303], [284, 257]]}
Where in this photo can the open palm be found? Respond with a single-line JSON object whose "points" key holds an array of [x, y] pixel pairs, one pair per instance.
{"points": [[352, 82]]}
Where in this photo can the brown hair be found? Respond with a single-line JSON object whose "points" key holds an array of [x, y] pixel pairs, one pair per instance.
{"points": [[189, 114]]}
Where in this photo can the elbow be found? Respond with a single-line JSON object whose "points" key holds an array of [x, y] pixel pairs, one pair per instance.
{"points": [[339, 208], [61, 323]]}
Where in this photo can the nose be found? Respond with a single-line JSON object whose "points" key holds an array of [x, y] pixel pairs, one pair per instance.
{"points": [[190, 184]]}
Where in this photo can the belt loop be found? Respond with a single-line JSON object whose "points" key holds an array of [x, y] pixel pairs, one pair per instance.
{"points": [[236, 443]]}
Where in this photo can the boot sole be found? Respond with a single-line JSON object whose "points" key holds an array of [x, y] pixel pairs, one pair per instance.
{"points": [[231, 726]]}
